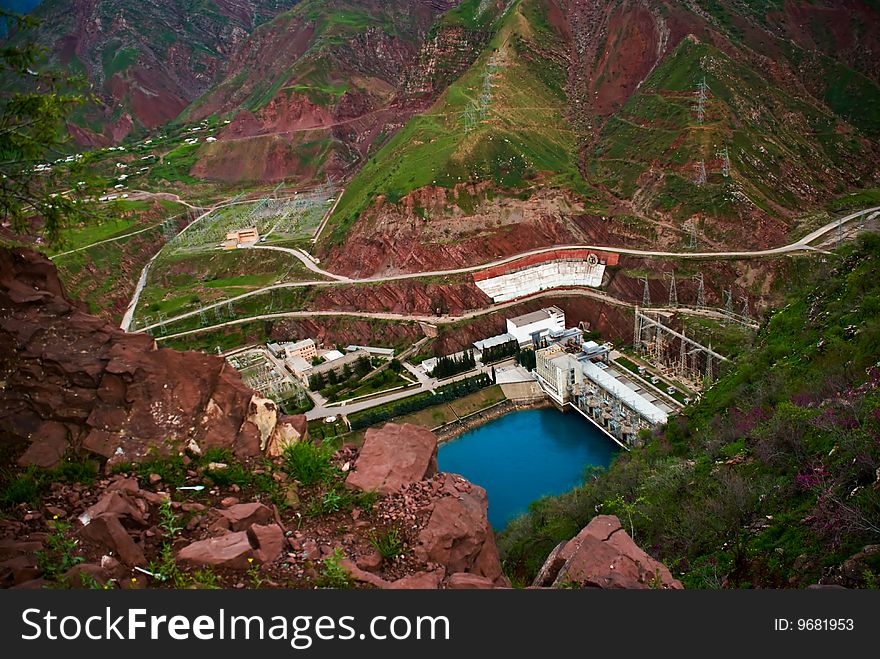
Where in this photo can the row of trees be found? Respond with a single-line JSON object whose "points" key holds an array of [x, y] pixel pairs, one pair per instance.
{"points": [[527, 359], [346, 377], [419, 402], [500, 352], [448, 366]]}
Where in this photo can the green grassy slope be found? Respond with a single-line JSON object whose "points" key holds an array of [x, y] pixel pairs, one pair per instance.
{"points": [[784, 148], [519, 134], [771, 479]]}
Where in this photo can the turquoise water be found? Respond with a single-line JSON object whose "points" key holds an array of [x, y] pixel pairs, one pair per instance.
{"points": [[525, 455]]}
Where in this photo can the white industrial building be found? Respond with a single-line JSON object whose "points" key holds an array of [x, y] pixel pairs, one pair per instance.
{"points": [[612, 400], [544, 276], [538, 323]]}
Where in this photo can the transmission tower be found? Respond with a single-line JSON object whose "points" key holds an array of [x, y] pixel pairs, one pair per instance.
{"points": [[673, 292], [637, 331], [702, 94], [725, 162], [646, 295], [709, 373], [691, 228], [839, 231], [682, 360], [745, 309], [230, 310], [728, 303], [203, 319], [701, 289], [701, 173], [162, 320], [218, 314]]}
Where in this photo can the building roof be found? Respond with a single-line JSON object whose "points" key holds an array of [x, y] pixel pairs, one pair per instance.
{"points": [[298, 364], [332, 355], [336, 364], [529, 318], [305, 343], [372, 349], [627, 396], [493, 341]]}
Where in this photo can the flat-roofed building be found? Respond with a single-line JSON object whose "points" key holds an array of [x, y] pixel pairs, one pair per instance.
{"points": [[240, 237], [336, 365], [378, 352], [613, 400], [299, 367], [536, 324], [306, 349]]}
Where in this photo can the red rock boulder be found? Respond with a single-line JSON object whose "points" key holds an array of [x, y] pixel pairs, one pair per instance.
{"points": [[394, 456], [458, 535], [603, 555]]}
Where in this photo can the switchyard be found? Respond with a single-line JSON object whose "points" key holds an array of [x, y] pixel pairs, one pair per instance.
{"points": [[675, 351], [271, 218]]}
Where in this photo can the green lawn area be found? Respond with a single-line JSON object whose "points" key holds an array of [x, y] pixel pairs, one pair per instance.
{"points": [[383, 381], [81, 236], [437, 415]]}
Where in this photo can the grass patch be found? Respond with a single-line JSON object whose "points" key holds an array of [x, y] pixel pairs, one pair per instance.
{"points": [[310, 463]]}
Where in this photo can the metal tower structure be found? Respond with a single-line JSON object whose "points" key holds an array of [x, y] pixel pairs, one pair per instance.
{"points": [[725, 162], [701, 289], [673, 291], [701, 173], [701, 95], [745, 309], [637, 331], [692, 237], [728, 303], [709, 373], [682, 359], [646, 295]]}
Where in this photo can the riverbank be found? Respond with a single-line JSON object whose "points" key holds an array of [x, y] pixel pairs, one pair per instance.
{"points": [[453, 429]]}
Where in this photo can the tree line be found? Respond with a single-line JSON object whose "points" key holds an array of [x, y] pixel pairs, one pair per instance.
{"points": [[448, 366], [419, 402]]}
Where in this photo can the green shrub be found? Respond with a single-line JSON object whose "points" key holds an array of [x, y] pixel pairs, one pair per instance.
{"points": [[309, 463], [333, 575], [388, 544]]}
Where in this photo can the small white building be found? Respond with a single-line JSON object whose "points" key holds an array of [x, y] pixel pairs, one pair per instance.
{"points": [[332, 355], [298, 366], [540, 323]]}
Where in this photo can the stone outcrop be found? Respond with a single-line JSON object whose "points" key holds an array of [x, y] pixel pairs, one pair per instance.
{"points": [[289, 430], [69, 381], [603, 555], [458, 535], [455, 543], [236, 550], [394, 456]]}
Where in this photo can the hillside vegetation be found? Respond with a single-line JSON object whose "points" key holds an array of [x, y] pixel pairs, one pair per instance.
{"points": [[502, 121], [772, 479]]}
